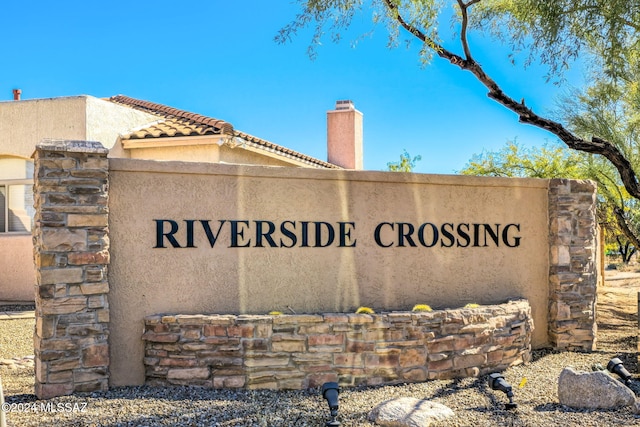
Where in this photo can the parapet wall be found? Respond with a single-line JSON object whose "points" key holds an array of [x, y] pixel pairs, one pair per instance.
{"points": [[304, 351]]}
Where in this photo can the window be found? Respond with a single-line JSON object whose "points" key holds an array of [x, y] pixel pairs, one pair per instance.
{"points": [[16, 195], [16, 206]]}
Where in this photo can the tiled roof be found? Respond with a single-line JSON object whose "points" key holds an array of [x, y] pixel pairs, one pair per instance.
{"points": [[178, 123]]}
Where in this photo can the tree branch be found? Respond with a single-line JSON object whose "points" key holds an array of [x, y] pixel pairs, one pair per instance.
{"points": [[614, 184], [626, 230], [436, 47], [463, 31], [525, 114]]}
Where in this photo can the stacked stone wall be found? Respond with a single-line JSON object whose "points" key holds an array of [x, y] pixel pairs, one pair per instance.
{"points": [[573, 274], [304, 351], [71, 255]]}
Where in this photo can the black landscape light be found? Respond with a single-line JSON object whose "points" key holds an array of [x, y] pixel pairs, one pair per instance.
{"points": [[497, 382], [615, 366], [330, 393]]}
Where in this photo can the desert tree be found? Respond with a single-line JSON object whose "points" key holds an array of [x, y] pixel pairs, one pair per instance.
{"points": [[616, 210], [603, 33], [405, 164]]}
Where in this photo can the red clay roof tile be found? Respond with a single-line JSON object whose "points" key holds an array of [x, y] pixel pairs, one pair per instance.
{"points": [[178, 123]]}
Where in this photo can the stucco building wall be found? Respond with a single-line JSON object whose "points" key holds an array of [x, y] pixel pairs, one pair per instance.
{"points": [[196, 278], [16, 264], [202, 149], [17, 272], [187, 153], [23, 124], [107, 120], [245, 157]]}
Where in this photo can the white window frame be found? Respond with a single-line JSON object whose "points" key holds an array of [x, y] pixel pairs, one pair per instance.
{"points": [[7, 183]]}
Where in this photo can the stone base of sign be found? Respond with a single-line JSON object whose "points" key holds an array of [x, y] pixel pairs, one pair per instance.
{"points": [[305, 351]]}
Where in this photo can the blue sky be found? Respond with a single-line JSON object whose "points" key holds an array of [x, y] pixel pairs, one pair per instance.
{"points": [[219, 58]]}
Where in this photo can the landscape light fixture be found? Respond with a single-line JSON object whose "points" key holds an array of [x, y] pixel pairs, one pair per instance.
{"points": [[615, 366], [497, 382], [330, 393]]}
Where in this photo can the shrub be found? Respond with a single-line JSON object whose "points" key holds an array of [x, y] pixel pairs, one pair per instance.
{"points": [[421, 307], [364, 310]]}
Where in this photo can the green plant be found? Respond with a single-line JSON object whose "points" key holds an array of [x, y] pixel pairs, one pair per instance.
{"points": [[472, 305], [364, 310], [421, 307]]}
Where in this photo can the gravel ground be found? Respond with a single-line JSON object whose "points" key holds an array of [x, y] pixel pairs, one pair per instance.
{"points": [[472, 401], [16, 338]]}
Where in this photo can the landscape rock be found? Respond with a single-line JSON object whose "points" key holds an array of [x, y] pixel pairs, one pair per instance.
{"points": [[592, 390], [18, 362], [409, 412]]}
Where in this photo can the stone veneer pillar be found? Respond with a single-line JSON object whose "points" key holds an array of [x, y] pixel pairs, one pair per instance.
{"points": [[71, 253], [573, 264]]}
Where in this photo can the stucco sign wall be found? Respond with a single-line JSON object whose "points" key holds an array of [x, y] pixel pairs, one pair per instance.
{"points": [[195, 238], [203, 238]]}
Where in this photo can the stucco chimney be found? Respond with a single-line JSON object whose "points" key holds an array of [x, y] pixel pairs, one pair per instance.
{"points": [[344, 136], [16, 94]]}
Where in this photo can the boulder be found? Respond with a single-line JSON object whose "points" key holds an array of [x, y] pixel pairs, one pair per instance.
{"points": [[592, 390], [409, 412]]}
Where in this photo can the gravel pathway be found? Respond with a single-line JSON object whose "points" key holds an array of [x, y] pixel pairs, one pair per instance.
{"points": [[472, 401]]}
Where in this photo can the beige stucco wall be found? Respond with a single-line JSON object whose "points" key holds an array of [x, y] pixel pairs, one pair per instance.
{"points": [[201, 149], [18, 276], [17, 272], [145, 280], [184, 153], [246, 157], [107, 120], [25, 123]]}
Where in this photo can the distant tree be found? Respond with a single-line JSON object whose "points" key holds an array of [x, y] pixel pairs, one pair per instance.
{"points": [[514, 160], [552, 161], [604, 33], [611, 109], [625, 249], [406, 163]]}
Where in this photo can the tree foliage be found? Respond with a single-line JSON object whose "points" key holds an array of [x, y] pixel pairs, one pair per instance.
{"points": [[616, 212], [514, 160], [405, 164], [611, 108], [553, 32], [557, 32]]}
